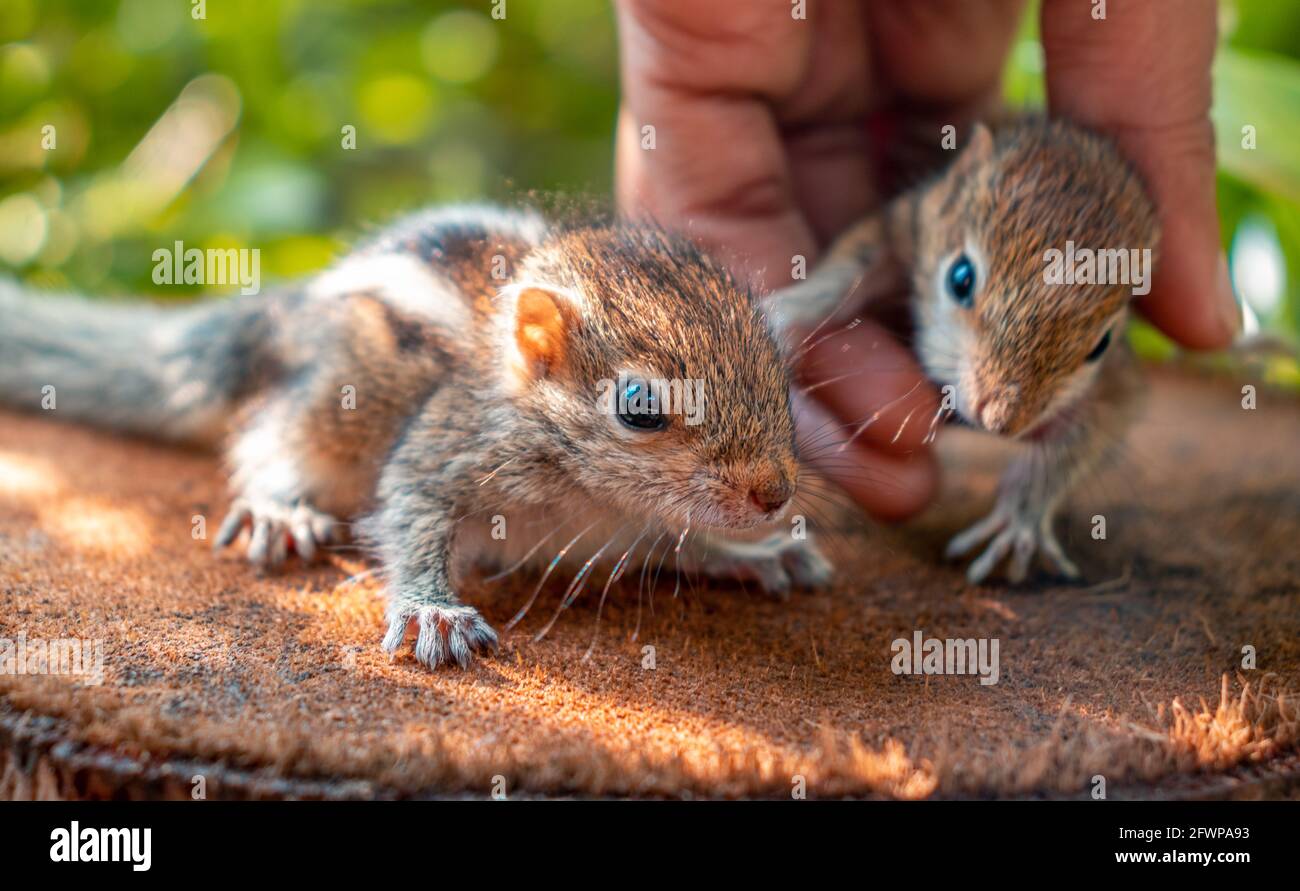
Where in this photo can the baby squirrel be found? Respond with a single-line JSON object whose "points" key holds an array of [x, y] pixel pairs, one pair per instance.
{"points": [[477, 347], [1044, 363]]}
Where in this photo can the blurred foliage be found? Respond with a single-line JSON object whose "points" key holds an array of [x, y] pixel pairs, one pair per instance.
{"points": [[447, 103], [229, 131]]}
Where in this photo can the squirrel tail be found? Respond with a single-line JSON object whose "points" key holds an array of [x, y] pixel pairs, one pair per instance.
{"points": [[166, 373]]}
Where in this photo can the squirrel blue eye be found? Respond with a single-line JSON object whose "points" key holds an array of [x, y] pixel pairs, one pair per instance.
{"points": [[961, 280], [1100, 347], [638, 408]]}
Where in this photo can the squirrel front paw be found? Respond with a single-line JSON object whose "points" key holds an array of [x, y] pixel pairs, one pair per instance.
{"points": [[1015, 531], [776, 563], [443, 632], [275, 525]]}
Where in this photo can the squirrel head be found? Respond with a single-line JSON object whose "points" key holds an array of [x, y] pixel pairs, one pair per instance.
{"points": [[1028, 251], [651, 377]]}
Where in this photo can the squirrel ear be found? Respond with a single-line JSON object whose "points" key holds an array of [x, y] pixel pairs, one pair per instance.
{"points": [[976, 153], [542, 323]]}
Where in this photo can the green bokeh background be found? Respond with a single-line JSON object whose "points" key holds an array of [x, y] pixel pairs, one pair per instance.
{"points": [[448, 104]]}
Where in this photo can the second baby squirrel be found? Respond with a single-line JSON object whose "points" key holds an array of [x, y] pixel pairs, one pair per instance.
{"points": [[469, 371], [1020, 353]]}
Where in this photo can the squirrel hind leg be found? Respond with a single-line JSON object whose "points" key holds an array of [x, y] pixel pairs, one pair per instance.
{"points": [[276, 525], [281, 492]]}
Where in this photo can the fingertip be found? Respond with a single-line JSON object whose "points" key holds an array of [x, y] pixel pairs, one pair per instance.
{"points": [[1193, 301], [868, 379], [889, 486]]}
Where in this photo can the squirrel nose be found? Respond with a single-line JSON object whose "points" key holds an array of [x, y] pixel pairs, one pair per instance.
{"points": [[772, 495], [996, 411]]}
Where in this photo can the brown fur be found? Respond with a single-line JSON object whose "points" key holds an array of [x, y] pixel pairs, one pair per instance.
{"points": [[1033, 187], [452, 371], [1016, 359]]}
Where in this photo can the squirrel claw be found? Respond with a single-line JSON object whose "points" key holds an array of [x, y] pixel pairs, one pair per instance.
{"points": [[1010, 533], [274, 526], [444, 633]]}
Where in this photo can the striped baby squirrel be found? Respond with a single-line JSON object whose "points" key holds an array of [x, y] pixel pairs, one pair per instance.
{"points": [[1042, 362], [477, 346]]}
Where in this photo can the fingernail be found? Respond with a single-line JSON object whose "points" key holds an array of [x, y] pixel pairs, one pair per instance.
{"points": [[1229, 309]]}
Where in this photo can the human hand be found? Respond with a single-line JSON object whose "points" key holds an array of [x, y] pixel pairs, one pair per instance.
{"points": [[764, 126]]}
